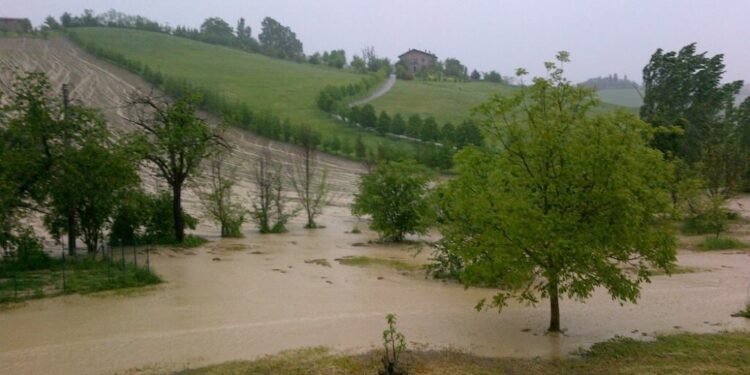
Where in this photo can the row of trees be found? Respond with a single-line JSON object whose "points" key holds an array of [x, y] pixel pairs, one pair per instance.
{"points": [[415, 127], [561, 200], [59, 159], [612, 81], [275, 39]]}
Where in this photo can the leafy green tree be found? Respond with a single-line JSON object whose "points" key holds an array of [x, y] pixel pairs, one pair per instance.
{"points": [[384, 123], [358, 64], [448, 134], [397, 124], [174, 140], [367, 116], [32, 132], [270, 210], [280, 41], [359, 148], [414, 126], [468, 133], [454, 68], [309, 178], [493, 76], [395, 195], [564, 201], [430, 131], [216, 30], [475, 75], [90, 180], [219, 200], [684, 89]]}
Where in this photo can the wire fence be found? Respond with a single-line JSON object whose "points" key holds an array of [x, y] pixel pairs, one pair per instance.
{"points": [[111, 267]]}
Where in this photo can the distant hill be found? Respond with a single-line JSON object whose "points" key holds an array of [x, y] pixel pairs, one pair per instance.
{"points": [[612, 81]]}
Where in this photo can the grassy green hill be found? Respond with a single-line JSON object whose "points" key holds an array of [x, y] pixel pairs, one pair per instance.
{"points": [[285, 88], [622, 97], [446, 101]]}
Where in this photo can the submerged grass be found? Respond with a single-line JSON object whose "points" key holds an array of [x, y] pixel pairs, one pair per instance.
{"points": [[721, 243], [363, 261], [724, 353], [75, 276]]}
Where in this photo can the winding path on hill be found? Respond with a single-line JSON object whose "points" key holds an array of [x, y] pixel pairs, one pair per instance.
{"points": [[387, 86]]}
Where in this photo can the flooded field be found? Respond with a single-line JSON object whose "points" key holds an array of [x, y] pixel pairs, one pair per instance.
{"points": [[238, 299]]}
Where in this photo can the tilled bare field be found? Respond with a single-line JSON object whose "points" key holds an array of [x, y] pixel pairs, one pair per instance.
{"points": [[101, 85]]}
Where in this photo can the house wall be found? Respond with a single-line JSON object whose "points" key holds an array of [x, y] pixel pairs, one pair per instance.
{"points": [[417, 61]]}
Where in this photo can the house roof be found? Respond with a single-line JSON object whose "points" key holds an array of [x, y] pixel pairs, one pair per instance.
{"points": [[418, 51]]}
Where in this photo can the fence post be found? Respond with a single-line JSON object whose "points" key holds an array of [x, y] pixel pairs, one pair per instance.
{"points": [[135, 253], [122, 254], [148, 260], [15, 285], [63, 268]]}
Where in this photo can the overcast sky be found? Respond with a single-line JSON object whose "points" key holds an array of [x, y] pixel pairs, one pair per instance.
{"points": [[603, 36]]}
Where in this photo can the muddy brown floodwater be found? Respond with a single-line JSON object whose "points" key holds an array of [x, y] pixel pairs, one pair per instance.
{"points": [[261, 297]]}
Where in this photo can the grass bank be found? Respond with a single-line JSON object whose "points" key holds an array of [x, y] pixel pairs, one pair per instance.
{"points": [[73, 276], [724, 353]]}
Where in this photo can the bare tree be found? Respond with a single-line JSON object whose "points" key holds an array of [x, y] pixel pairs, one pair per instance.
{"points": [[218, 198], [309, 179], [269, 204], [175, 140]]}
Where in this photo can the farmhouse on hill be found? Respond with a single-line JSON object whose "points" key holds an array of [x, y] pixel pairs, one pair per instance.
{"points": [[15, 25], [416, 60]]}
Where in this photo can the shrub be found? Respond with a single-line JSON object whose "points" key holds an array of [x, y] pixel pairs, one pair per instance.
{"points": [[27, 253], [721, 243]]}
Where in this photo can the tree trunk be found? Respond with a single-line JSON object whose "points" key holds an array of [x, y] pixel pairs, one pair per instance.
{"points": [[554, 302], [71, 233], [179, 225]]}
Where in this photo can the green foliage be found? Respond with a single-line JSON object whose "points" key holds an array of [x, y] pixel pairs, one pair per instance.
{"points": [[25, 253], [174, 140], [146, 219], [394, 194], [82, 276], [493, 76], [721, 243], [247, 90], [279, 41], [219, 201], [684, 89], [558, 202], [270, 211], [394, 343], [453, 68]]}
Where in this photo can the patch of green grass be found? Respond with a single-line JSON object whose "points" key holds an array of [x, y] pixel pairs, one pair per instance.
{"points": [[743, 313], [623, 97], [724, 353], [284, 88], [81, 276], [190, 241], [363, 261], [721, 243], [446, 101]]}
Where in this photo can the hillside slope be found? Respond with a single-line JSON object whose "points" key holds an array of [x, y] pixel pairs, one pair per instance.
{"points": [[446, 101], [286, 89], [101, 85]]}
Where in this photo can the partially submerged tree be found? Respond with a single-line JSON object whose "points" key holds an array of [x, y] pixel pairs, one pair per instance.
{"points": [[309, 179], [174, 140], [219, 200], [270, 211], [395, 195], [564, 201]]}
